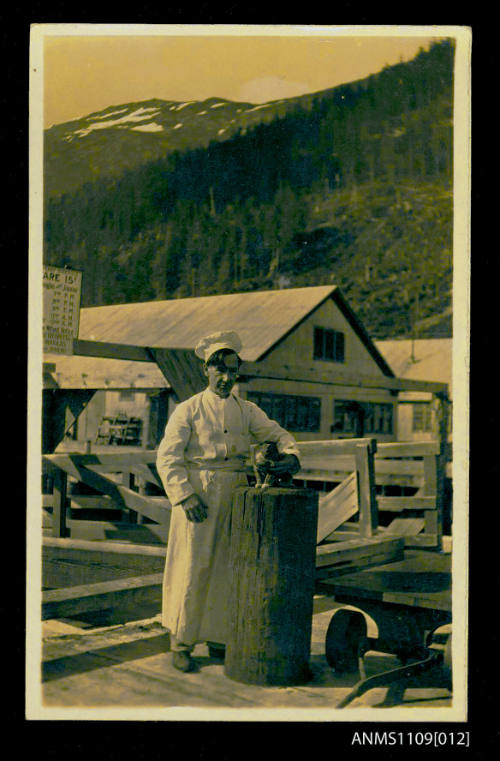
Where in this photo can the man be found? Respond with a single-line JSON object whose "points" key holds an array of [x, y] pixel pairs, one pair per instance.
{"points": [[201, 460]]}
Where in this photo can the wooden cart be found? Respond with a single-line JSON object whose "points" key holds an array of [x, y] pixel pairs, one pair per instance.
{"points": [[394, 608]]}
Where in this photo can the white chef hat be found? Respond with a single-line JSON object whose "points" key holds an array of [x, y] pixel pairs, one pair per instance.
{"points": [[225, 339]]}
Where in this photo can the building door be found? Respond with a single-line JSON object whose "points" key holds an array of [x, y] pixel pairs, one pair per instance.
{"points": [[349, 419], [158, 415]]}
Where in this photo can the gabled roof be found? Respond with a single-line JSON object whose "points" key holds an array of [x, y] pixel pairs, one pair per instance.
{"points": [[422, 359], [261, 318]]}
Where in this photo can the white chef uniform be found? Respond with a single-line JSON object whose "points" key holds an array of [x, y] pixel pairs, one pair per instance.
{"points": [[206, 442]]}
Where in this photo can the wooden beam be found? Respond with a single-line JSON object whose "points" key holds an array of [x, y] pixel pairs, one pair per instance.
{"points": [[119, 531], [183, 371], [339, 463], [63, 603], [348, 530], [59, 504], [434, 485], [307, 373], [144, 474], [68, 564], [399, 467], [368, 511], [93, 502], [390, 554], [338, 377], [350, 549], [337, 507], [424, 540], [106, 547], [396, 504], [406, 526], [331, 447], [111, 350], [406, 449], [103, 462]]}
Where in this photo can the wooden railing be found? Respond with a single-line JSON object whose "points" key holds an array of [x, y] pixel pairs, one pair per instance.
{"points": [[127, 487], [81, 576], [116, 482], [415, 466], [421, 515]]}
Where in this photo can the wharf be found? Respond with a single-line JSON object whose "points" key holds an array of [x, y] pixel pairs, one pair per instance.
{"points": [[123, 663]]}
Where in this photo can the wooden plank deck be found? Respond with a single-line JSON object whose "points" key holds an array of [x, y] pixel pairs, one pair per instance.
{"points": [[128, 666], [120, 658]]}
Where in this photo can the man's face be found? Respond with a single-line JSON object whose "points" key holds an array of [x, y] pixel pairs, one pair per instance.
{"points": [[223, 375]]}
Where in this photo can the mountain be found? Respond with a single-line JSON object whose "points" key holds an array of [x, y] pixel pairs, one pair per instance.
{"points": [[351, 185], [108, 142]]}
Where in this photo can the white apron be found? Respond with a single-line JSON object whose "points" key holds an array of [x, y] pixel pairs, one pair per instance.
{"points": [[197, 574], [203, 451]]}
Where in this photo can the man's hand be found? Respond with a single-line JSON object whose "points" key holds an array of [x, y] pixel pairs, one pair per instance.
{"points": [[288, 463], [195, 510]]}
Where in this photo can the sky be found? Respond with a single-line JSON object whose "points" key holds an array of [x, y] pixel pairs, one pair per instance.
{"points": [[87, 68]]}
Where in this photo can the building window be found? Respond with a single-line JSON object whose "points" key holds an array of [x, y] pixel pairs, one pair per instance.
{"points": [[422, 417], [329, 344], [126, 396], [295, 413], [361, 418]]}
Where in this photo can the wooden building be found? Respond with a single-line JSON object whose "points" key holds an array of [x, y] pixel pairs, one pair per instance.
{"points": [[427, 359], [112, 390], [305, 357]]}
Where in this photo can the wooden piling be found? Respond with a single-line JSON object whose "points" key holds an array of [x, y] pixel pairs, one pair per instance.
{"points": [[272, 566]]}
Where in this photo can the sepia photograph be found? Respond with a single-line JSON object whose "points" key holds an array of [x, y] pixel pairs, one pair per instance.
{"points": [[249, 274]]}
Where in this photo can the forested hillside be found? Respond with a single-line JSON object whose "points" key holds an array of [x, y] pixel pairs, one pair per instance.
{"points": [[350, 186]]}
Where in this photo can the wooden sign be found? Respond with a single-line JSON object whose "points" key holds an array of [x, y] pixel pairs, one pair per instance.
{"points": [[61, 309]]}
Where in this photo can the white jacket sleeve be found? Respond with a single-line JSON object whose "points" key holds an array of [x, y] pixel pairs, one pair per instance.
{"points": [[170, 457], [265, 429]]}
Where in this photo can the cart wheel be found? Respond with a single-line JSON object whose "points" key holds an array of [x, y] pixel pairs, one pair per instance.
{"points": [[346, 640], [447, 670]]}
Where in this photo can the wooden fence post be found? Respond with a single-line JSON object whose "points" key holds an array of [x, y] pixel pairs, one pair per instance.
{"points": [[431, 488], [434, 473], [142, 488], [128, 480], [59, 503], [365, 467]]}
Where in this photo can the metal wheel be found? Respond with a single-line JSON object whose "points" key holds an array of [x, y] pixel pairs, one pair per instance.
{"points": [[346, 640]]}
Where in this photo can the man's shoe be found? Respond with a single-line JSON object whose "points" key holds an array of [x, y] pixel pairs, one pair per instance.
{"points": [[217, 652], [182, 661]]}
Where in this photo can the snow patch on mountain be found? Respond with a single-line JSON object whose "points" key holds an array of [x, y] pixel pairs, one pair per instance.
{"points": [[139, 115], [218, 105], [110, 113], [150, 127], [257, 108]]}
